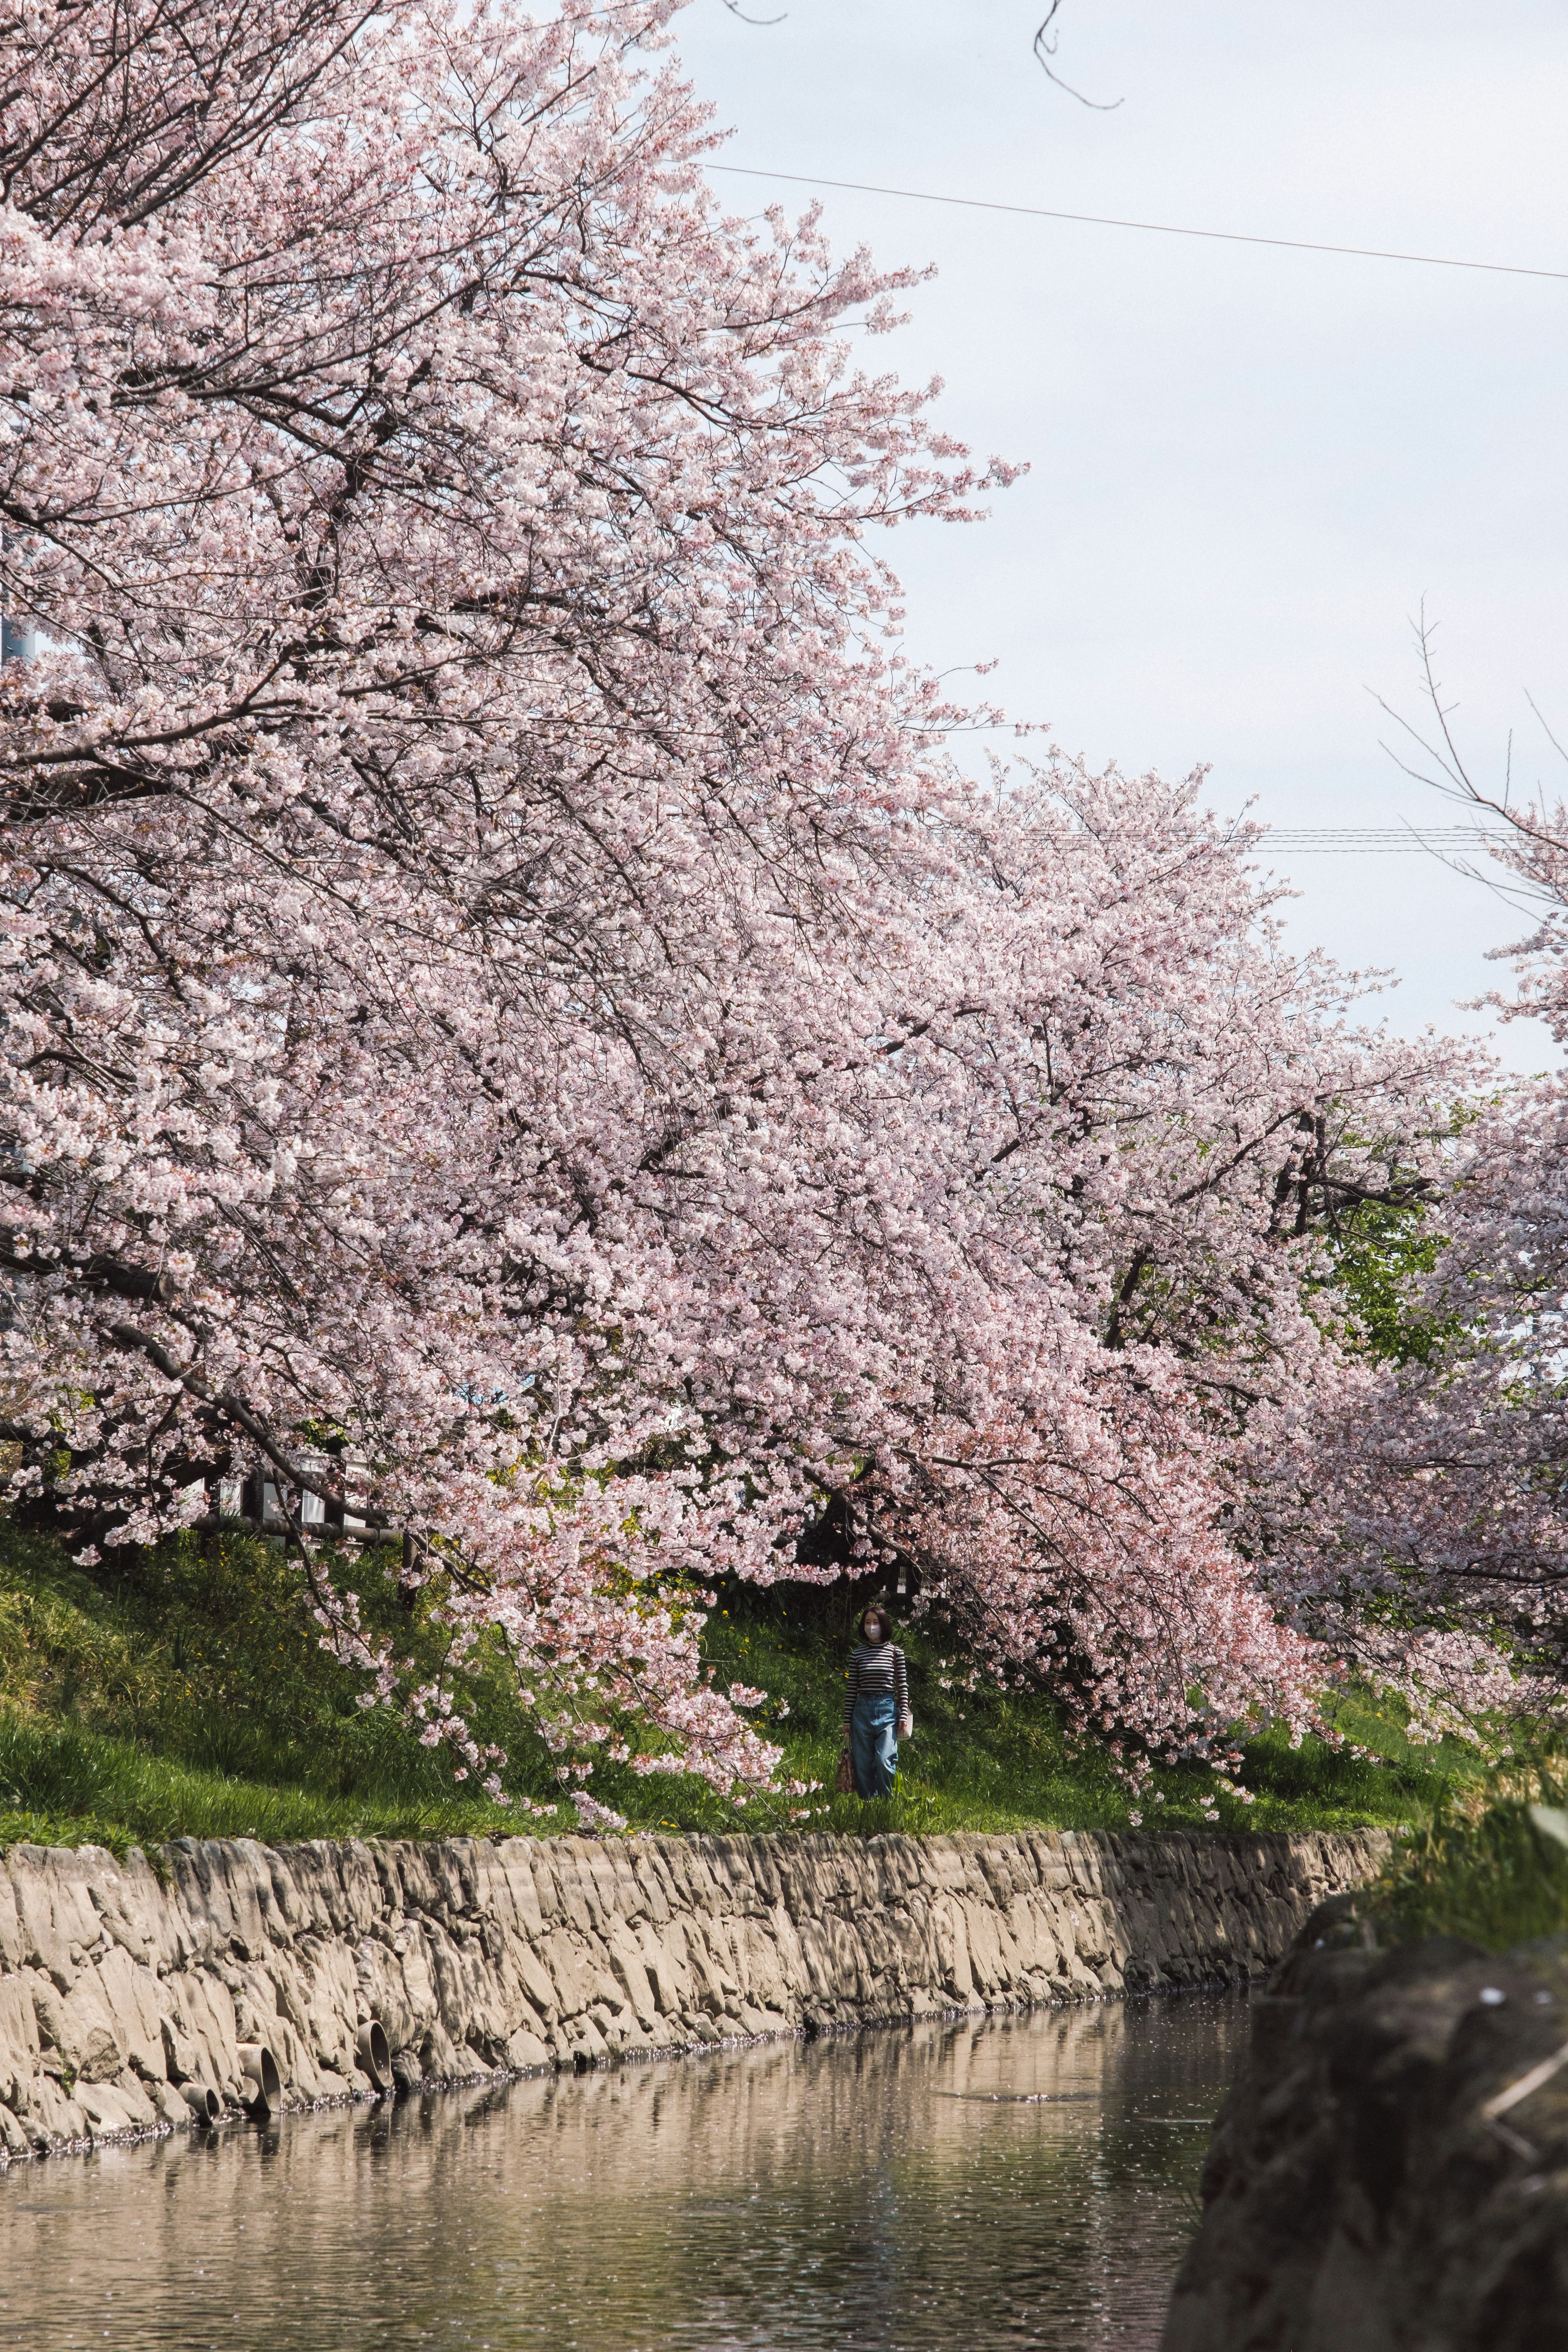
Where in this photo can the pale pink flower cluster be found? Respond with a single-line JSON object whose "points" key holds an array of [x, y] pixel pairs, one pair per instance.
{"points": [[505, 993], [1417, 1512]]}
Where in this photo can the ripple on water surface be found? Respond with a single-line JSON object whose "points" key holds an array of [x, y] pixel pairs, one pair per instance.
{"points": [[961, 2187]]}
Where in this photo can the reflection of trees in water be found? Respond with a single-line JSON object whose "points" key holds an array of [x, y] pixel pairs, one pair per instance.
{"points": [[966, 2183]]}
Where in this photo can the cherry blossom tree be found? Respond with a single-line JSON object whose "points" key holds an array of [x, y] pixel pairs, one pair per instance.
{"points": [[517, 1032], [1426, 1536]]}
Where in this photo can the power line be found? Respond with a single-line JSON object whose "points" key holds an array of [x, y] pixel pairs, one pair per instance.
{"points": [[1153, 229], [1349, 837]]}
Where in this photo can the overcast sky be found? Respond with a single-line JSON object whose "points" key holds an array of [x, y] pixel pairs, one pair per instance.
{"points": [[1248, 467]]}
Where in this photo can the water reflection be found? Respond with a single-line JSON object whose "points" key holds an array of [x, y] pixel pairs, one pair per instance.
{"points": [[1024, 2182]]}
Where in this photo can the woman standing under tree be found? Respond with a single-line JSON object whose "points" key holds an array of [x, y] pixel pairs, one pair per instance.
{"points": [[877, 1706]]}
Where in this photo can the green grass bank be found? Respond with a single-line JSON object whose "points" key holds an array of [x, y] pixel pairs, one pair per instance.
{"points": [[181, 1692]]}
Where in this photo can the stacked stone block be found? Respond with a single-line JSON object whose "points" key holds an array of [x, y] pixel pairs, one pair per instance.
{"points": [[123, 1986]]}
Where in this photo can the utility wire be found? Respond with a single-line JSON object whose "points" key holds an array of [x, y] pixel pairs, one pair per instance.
{"points": [[1349, 837], [1154, 228]]}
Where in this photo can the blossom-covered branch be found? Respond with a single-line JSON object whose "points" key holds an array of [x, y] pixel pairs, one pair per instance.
{"points": [[513, 1024]]}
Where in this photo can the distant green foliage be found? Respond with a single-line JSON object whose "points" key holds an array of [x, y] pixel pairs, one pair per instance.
{"points": [[1377, 1260], [1493, 1873], [181, 1692]]}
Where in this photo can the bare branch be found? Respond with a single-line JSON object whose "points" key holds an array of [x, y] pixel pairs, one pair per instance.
{"points": [[1046, 44]]}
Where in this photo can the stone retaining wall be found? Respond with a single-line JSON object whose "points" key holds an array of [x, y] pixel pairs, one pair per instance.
{"points": [[121, 1987]]}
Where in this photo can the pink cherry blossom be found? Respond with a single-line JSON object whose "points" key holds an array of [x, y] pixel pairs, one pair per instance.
{"points": [[518, 1032], [1419, 1509]]}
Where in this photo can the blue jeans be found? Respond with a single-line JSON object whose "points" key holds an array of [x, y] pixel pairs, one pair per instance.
{"points": [[873, 1749]]}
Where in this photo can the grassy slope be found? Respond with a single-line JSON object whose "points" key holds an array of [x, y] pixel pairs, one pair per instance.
{"points": [[181, 1693], [984, 1759]]}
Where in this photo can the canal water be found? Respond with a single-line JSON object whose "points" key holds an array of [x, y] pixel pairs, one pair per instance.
{"points": [[958, 2186]]}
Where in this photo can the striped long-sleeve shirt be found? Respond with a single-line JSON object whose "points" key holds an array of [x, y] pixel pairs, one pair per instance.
{"points": [[876, 1671]]}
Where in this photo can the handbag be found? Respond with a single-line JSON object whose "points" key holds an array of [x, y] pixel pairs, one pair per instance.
{"points": [[844, 1786]]}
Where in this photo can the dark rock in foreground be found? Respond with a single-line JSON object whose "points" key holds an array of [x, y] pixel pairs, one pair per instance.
{"points": [[1391, 2174]]}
